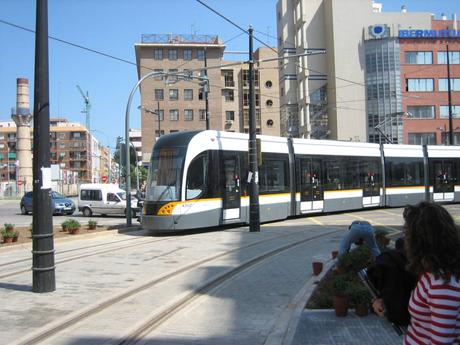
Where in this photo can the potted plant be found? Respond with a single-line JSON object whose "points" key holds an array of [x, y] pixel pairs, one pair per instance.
{"points": [[73, 226], [317, 267], [92, 224], [360, 297], [7, 236], [340, 298]]}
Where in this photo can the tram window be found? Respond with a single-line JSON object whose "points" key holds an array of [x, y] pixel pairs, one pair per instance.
{"points": [[273, 176], [352, 173], [197, 176], [333, 173], [456, 170], [404, 171]]}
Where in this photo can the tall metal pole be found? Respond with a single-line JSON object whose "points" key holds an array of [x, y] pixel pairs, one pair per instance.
{"points": [[449, 95], [159, 119], [206, 88], [42, 235], [254, 215]]}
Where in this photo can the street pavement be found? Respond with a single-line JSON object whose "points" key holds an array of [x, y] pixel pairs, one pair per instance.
{"points": [[234, 315]]}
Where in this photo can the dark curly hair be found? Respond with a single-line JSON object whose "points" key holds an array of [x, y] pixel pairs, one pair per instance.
{"points": [[432, 240]]}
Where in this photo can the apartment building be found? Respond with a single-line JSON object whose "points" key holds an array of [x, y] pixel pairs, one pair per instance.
{"points": [[177, 102], [72, 147], [357, 90]]}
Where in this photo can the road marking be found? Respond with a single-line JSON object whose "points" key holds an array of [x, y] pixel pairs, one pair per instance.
{"points": [[316, 221]]}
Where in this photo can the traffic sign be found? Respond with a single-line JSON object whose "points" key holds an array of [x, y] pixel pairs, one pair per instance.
{"points": [[104, 178]]}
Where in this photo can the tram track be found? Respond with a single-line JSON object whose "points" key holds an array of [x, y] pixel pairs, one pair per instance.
{"points": [[164, 311], [81, 256]]}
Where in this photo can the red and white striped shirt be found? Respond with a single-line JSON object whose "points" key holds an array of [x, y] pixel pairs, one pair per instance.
{"points": [[434, 308]]}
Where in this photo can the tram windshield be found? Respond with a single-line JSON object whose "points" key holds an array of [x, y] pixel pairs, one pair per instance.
{"points": [[164, 180]]}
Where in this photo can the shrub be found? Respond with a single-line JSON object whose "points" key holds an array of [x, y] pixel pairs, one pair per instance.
{"points": [[356, 259], [71, 224], [341, 284], [8, 234], [92, 224], [9, 226], [359, 294]]}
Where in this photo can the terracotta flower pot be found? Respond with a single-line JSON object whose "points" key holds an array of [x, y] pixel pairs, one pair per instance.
{"points": [[74, 231], [334, 254], [8, 240], [362, 309], [317, 267], [15, 239], [340, 304]]}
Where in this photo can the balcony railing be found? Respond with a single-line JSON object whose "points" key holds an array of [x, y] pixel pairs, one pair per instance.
{"points": [[179, 38]]}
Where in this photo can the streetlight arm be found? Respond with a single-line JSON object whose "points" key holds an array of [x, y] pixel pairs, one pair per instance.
{"points": [[127, 164]]}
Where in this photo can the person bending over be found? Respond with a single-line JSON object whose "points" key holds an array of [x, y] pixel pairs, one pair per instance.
{"points": [[359, 231]]}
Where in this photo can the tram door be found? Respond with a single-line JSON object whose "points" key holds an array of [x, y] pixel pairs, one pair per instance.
{"points": [[311, 186], [443, 187], [371, 183], [232, 186]]}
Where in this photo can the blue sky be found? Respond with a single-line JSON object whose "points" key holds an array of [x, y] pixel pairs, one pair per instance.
{"points": [[113, 27]]}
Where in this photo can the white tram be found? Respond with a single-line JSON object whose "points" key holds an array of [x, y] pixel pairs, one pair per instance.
{"points": [[199, 179]]}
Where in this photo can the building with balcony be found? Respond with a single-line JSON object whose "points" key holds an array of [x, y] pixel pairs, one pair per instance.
{"points": [[176, 102], [71, 147]]}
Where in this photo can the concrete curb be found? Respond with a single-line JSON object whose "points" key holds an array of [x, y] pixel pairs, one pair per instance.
{"points": [[286, 325]]}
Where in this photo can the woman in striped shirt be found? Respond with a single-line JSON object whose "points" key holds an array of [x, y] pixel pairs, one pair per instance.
{"points": [[433, 253]]}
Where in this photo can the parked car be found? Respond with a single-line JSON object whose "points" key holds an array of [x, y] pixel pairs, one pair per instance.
{"points": [[60, 204], [104, 199]]}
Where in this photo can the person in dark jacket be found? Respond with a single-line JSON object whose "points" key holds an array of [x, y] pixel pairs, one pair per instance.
{"points": [[390, 277]]}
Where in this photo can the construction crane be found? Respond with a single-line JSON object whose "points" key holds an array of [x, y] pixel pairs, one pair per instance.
{"points": [[87, 107]]}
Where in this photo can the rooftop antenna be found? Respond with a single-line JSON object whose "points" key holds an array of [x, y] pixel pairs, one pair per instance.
{"points": [[87, 107]]}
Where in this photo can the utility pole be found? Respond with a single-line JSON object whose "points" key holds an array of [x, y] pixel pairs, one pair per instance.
{"points": [[159, 119], [206, 88], [42, 234], [253, 176], [449, 95]]}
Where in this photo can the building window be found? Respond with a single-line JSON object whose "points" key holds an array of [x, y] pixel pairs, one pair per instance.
{"points": [[187, 54], [172, 54], [62, 155], [161, 132], [158, 54], [174, 115], [454, 84], [173, 131], [444, 111], [230, 116], [188, 115], [269, 103], [159, 94], [174, 77], [159, 77], [228, 95], [422, 138], [202, 115], [62, 146], [454, 58], [173, 94], [419, 58], [246, 98], [268, 84], [62, 135], [421, 111], [200, 54], [419, 85], [188, 94]]}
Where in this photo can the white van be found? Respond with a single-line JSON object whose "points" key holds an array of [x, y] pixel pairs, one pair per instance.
{"points": [[104, 199]]}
